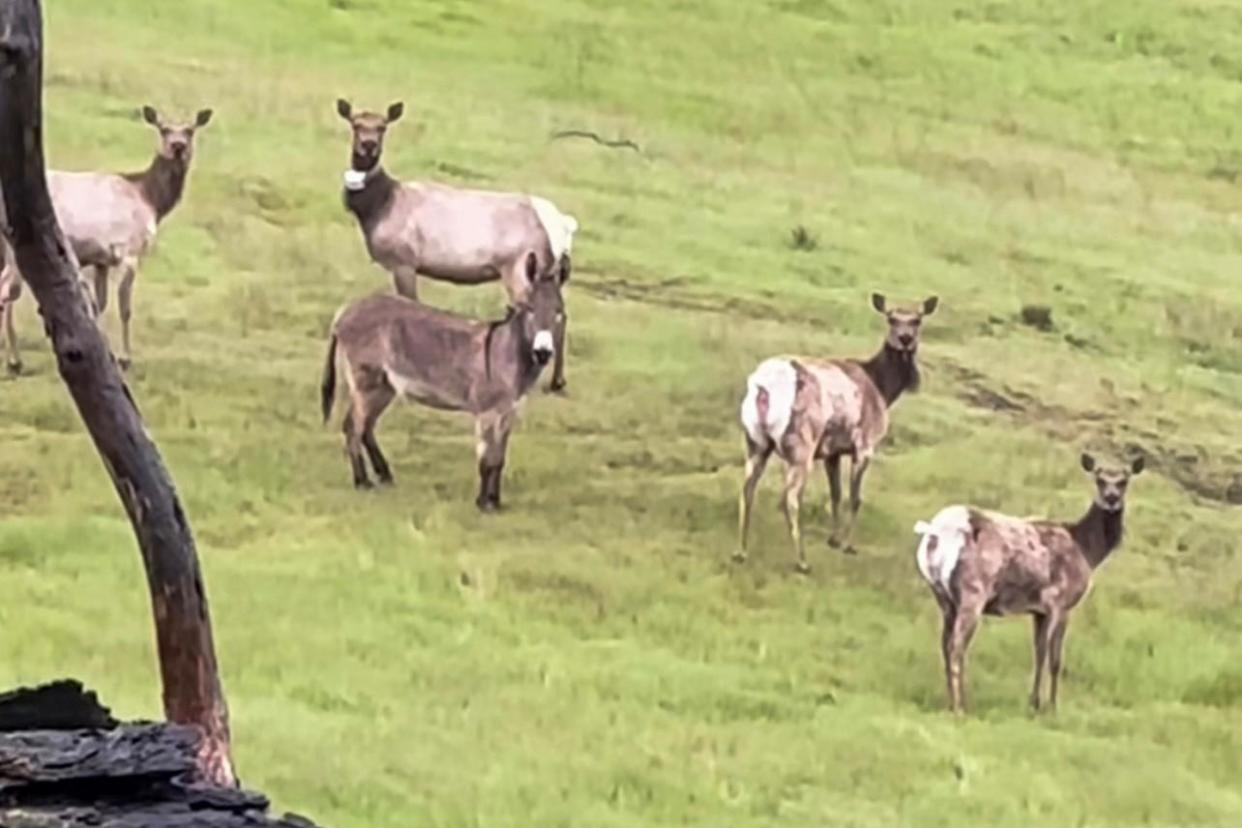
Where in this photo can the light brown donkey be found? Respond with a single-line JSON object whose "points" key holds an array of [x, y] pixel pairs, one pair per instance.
{"points": [[110, 220], [454, 235], [985, 563], [806, 408], [391, 345]]}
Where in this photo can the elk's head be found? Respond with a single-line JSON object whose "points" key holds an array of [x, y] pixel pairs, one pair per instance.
{"points": [[904, 323], [543, 309], [176, 140], [368, 136], [1111, 483]]}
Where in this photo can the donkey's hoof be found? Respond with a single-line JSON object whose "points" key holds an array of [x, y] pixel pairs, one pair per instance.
{"points": [[487, 505], [386, 481], [363, 485], [849, 550], [802, 568], [739, 557], [834, 542], [15, 368]]}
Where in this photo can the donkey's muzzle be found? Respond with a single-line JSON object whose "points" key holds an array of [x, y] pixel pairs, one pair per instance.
{"points": [[543, 349]]}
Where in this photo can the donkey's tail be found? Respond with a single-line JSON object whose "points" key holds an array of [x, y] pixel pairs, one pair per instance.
{"points": [[327, 387], [768, 405]]}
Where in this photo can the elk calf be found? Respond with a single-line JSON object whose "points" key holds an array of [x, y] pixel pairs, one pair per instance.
{"points": [[461, 236], [110, 219], [985, 563], [394, 346], [805, 409]]}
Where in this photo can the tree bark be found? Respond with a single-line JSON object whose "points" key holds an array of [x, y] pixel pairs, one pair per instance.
{"points": [[192, 691]]}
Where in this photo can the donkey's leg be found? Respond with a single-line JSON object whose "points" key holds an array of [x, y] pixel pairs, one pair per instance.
{"points": [[795, 480], [492, 433], [125, 303], [353, 447], [405, 281], [1040, 628], [500, 451], [756, 461], [101, 288], [858, 468], [832, 469], [377, 400]]}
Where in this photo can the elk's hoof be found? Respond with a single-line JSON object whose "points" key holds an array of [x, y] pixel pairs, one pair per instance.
{"points": [[802, 568], [739, 557], [558, 386], [834, 542], [125, 363], [849, 550], [15, 368], [386, 481]]}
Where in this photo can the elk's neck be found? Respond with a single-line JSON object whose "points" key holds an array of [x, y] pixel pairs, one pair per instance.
{"points": [[162, 183], [894, 372], [1098, 533], [369, 203]]}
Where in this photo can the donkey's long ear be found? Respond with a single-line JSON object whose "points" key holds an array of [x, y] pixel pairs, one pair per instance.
{"points": [[202, 119], [1088, 462], [343, 108], [532, 267], [150, 115], [930, 304], [879, 302], [566, 267], [395, 111], [1138, 465]]}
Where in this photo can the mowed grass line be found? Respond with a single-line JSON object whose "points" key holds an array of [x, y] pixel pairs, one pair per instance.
{"points": [[590, 656]]}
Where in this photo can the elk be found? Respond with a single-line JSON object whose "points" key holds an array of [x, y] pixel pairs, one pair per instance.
{"points": [[110, 221], [805, 409], [986, 563], [391, 346], [461, 236]]}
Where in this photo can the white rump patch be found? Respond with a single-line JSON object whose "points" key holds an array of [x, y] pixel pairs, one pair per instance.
{"points": [[355, 180], [543, 341], [559, 226], [779, 380], [951, 529]]}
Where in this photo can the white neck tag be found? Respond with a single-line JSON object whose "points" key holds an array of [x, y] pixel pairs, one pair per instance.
{"points": [[355, 180]]}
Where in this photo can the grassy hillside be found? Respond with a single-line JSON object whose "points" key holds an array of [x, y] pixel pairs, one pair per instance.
{"points": [[590, 657]]}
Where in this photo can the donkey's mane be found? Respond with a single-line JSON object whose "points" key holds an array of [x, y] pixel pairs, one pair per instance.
{"points": [[492, 327]]}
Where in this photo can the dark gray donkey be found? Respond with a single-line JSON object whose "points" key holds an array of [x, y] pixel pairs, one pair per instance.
{"points": [[392, 345], [467, 237]]}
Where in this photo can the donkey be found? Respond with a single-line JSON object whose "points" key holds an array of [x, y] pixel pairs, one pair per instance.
{"points": [[455, 235], [110, 220], [978, 562], [392, 345], [805, 408]]}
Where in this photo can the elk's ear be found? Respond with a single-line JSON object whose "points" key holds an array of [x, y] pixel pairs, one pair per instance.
{"points": [[930, 304], [343, 108], [150, 116], [1088, 462], [532, 267], [203, 118], [879, 302], [395, 111], [1138, 465], [566, 267]]}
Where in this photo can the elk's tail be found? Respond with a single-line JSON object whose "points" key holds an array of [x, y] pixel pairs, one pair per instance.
{"points": [[327, 387], [769, 402]]}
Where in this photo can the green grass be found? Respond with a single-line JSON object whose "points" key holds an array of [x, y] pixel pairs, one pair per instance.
{"points": [[589, 657]]}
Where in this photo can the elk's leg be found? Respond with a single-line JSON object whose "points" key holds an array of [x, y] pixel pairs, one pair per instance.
{"points": [[1055, 644], [377, 400], [9, 293], [948, 612], [832, 469], [858, 468], [101, 288], [1041, 629], [125, 304], [964, 624], [405, 281], [795, 481], [559, 382], [756, 462]]}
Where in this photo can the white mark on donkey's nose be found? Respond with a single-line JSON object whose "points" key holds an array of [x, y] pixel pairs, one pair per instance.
{"points": [[543, 342]]}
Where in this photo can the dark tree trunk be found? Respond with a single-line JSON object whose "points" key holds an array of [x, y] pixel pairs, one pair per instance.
{"points": [[192, 690]]}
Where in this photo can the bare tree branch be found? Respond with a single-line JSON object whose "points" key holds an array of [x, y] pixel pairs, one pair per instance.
{"points": [[192, 691]]}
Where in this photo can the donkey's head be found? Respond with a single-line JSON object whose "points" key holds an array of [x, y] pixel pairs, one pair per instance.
{"points": [[542, 311], [176, 140], [368, 129], [1111, 483], [904, 323]]}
